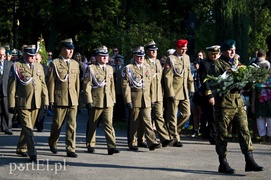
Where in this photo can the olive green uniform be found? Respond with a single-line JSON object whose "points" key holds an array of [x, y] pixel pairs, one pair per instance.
{"points": [[178, 83], [136, 88], [64, 88], [227, 108], [99, 89], [27, 92], [157, 109]]}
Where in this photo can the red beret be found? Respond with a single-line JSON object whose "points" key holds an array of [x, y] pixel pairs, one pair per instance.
{"points": [[181, 43]]}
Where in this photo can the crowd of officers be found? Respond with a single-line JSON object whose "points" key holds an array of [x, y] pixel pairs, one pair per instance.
{"points": [[145, 87]]}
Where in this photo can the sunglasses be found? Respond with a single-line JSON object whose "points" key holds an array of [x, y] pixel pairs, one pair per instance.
{"points": [[50, 55]]}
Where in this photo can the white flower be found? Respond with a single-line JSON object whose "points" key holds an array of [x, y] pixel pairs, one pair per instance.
{"points": [[225, 75]]}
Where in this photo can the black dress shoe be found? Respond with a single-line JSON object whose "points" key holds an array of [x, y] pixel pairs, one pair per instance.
{"points": [[133, 148], [142, 144], [23, 154], [72, 154], [113, 151], [212, 141], [178, 144], [40, 130], [91, 149], [154, 146], [8, 132], [53, 150], [33, 158], [165, 143]]}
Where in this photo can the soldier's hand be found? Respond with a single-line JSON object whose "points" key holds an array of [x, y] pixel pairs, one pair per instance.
{"points": [[12, 110], [51, 106], [129, 105], [212, 101], [89, 106], [152, 104], [171, 98]]}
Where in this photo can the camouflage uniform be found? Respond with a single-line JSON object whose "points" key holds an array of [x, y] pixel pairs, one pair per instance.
{"points": [[227, 108]]}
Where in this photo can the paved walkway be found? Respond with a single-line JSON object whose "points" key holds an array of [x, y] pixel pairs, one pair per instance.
{"points": [[196, 160]]}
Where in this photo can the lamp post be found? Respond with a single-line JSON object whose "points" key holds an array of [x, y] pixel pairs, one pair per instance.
{"points": [[16, 24], [191, 27]]}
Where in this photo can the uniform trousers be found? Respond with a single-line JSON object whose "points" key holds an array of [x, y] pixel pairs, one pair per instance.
{"points": [[60, 113], [142, 115], [175, 124], [5, 119], [40, 118], [207, 117], [26, 140], [223, 117], [157, 115], [105, 116]]}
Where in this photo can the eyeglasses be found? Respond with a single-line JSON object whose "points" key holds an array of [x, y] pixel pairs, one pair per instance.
{"points": [[116, 50], [50, 55]]}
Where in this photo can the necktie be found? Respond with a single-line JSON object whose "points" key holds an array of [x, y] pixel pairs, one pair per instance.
{"points": [[1, 68]]}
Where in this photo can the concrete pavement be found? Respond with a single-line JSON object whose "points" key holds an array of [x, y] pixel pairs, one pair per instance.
{"points": [[197, 159]]}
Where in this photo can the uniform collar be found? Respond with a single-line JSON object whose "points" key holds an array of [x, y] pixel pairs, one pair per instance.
{"points": [[139, 65], [102, 65]]}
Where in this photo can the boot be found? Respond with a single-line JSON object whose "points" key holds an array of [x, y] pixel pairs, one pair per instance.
{"points": [[224, 166], [251, 165]]}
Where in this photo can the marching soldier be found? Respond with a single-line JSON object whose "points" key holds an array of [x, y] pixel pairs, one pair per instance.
{"points": [[64, 88], [27, 92], [209, 67], [136, 87], [178, 84], [230, 107], [99, 89], [157, 107]]}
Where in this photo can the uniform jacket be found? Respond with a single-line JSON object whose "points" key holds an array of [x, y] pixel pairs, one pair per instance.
{"points": [[5, 77], [157, 72], [136, 85], [99, 86], [64, 83], [232, 99], [118, 76], [208, 67], [25, 93], [178, 79]]}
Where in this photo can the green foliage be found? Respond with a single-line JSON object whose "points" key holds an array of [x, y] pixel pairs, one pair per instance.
{"points": [[238, 78], [232, 19], [126, 24], [260, 22], [205, 27], [42, 50]]}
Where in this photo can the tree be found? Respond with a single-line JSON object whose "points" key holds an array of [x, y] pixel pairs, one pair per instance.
{"points": [[126, 23], [42, 50], [231, 19], [260, 23]]}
